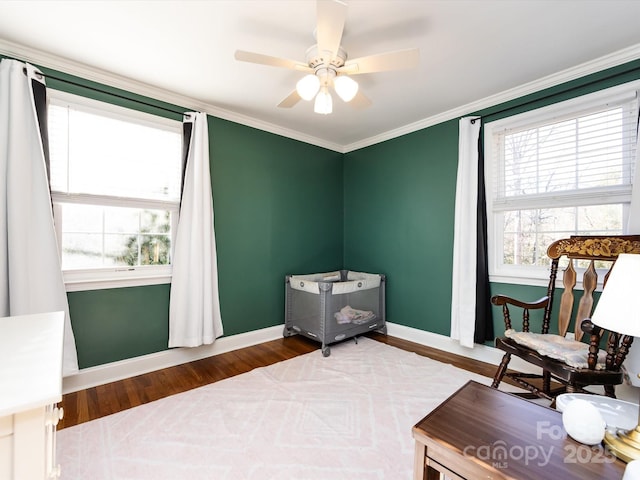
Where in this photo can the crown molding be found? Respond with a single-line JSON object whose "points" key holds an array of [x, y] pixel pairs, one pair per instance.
{"points": [[593, 66], [70, 67], [107, 78]]}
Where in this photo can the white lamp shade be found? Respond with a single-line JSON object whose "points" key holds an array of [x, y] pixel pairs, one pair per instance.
{"points": [[346, 87], [308, 86], [632, 472], [617, 309], [324, 102]]}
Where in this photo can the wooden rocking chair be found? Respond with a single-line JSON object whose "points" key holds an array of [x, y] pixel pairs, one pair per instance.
{"points": [[571, 363]]}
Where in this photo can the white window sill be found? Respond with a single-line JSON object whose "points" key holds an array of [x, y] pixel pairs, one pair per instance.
{"points": [[539, 282], [121, 278]]}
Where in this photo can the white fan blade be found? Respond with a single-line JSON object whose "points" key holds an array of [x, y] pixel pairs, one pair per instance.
{"points": [[360, 101], [398, 60], [271, 61], [290, 101], [331, 15]]}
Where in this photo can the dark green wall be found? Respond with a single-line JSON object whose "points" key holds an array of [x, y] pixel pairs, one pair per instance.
{"points": [[278, 210], [119, 323], [399, 198]]}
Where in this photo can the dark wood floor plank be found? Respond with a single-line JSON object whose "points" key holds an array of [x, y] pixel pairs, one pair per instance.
{"points": [[103, 400]]}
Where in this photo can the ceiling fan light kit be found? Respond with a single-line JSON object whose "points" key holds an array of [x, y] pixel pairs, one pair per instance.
{"points": [[308, 86], [346, 87], [326, 63], [324, 102]]}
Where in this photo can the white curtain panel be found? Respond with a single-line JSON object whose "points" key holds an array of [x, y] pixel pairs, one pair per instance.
{"points": [[194, 306], [633, 224], [30, 275], [463, 291]]}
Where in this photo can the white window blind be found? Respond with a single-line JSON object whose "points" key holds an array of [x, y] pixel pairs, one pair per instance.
{"points": [[577, 159]]}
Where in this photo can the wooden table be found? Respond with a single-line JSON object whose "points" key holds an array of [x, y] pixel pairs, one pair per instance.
{"points": [[483, 433]]}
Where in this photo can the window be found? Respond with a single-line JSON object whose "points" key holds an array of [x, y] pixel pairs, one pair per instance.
{"points": [[115, 182], [562, 170]]}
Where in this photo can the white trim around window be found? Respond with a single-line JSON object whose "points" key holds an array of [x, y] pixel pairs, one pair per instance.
{"points": [[121, 275], [574, 108]]}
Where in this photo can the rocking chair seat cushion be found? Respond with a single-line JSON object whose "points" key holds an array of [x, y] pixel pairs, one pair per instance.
{"points": [[571, 352]]}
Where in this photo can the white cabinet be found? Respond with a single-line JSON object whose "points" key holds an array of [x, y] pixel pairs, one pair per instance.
{"points": [[30, 386]]}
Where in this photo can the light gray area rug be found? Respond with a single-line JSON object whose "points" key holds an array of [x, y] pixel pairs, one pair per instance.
{"points": [[347, 416]]}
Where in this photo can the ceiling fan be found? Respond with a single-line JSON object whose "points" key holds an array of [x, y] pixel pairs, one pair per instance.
{"points": [[327, 65]]}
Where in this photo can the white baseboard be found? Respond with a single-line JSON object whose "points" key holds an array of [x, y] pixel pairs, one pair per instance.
{"points": [[111, 372], [479, 352]]}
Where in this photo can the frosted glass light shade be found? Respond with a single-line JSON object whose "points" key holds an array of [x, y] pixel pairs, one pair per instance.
{"points": [[324, 102], [346, 87], [308, 86]]}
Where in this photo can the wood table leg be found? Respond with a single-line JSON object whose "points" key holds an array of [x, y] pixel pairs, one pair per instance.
{"points": [[419, 462], [432, 474]]}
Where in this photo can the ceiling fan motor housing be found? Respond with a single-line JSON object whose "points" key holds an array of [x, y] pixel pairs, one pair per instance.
{"points": [[316, 59]]}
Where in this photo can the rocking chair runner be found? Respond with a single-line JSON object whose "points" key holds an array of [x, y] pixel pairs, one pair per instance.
{"points": [[572, 363]]}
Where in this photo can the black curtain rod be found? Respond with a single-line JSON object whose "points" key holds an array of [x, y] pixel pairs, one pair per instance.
{"points": [[99, 90], [551, 95]]}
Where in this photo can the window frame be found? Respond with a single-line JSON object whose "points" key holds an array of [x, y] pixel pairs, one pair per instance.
{"points": [[572, 108], [121, 276]]}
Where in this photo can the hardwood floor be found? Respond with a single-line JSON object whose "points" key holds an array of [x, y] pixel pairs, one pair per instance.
{"points": [[96, 402]]}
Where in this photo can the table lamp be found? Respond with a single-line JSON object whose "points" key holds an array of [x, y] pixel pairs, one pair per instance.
{"points": [[618, 311]]}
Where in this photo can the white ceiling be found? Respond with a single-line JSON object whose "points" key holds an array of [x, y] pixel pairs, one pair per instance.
{"points": [[470, 50]]}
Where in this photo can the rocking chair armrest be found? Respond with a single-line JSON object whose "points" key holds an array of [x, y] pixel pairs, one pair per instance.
{"points": [[504, 300], [587, 326]]}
